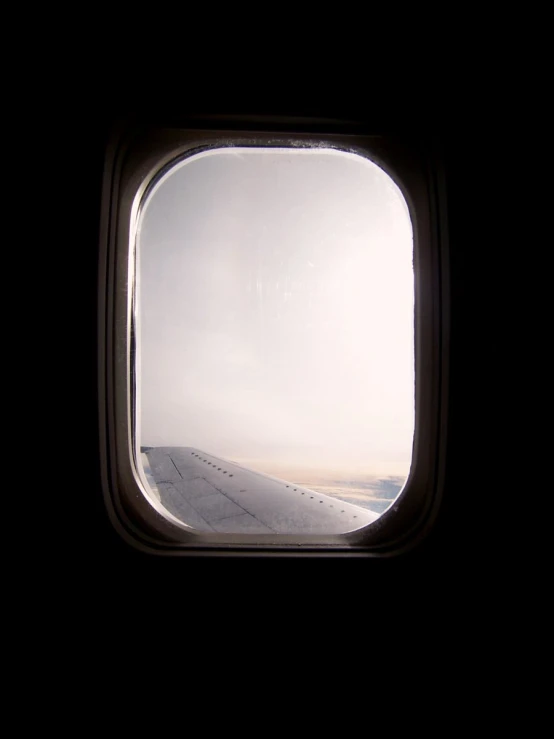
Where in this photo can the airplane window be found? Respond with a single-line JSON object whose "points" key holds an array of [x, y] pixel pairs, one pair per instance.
{"points": [[274, 327]]}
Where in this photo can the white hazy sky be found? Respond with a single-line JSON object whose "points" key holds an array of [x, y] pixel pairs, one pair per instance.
{"points": [[275, 311]]}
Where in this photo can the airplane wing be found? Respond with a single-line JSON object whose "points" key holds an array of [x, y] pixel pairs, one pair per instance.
{"points": [[213, 494]]}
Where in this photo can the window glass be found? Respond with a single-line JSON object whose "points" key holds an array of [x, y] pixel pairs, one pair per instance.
{"points": [[275, 335]]}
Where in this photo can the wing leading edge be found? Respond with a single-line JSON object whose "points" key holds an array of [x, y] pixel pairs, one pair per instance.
{"points": [[213, 494]]}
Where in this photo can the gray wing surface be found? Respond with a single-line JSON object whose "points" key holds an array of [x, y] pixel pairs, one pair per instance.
{"points": [[213, 494]]}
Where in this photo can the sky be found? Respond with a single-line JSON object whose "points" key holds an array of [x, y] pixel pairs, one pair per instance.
{"points": [[275, 311]]}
